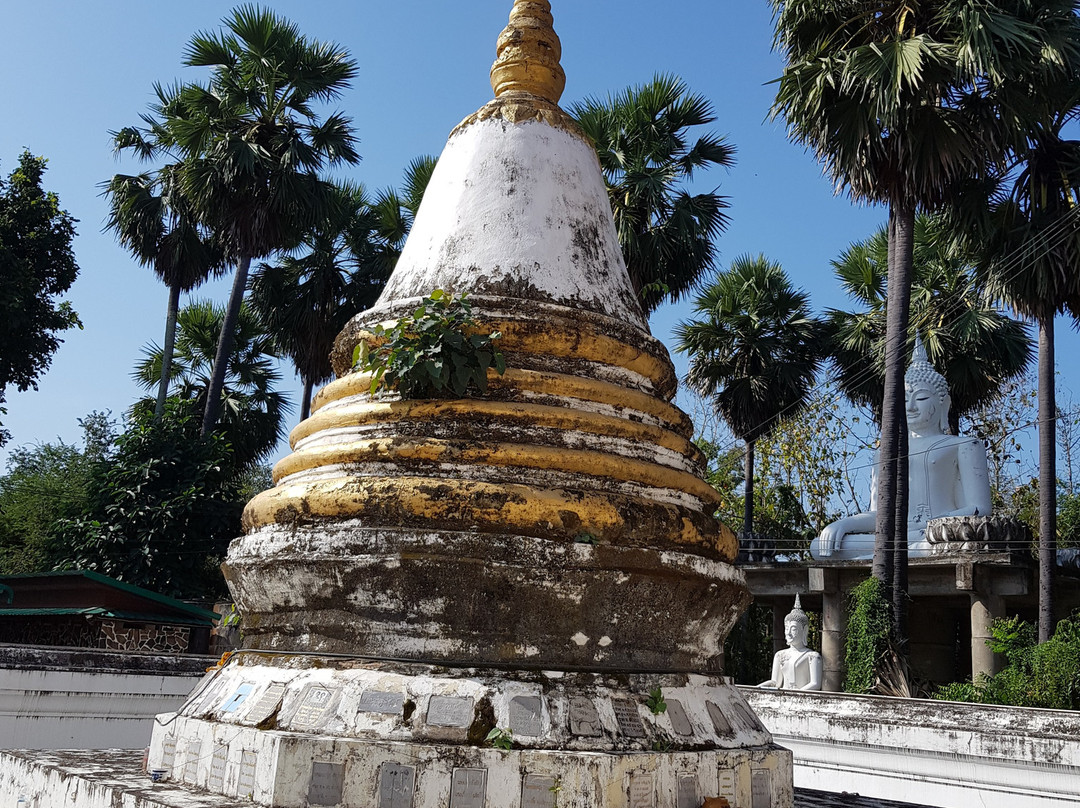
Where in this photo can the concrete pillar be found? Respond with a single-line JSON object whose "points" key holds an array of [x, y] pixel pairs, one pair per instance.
{"points": [[984, 609], [833, 625]]}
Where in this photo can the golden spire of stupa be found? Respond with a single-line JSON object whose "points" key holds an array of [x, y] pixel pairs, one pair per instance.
{"points": [[528, 53]]}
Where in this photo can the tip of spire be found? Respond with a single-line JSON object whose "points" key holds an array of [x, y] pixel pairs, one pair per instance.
{"points": [[527, 54]]}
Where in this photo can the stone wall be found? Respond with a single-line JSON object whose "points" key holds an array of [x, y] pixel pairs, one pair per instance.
{"points": [[116, 635]]}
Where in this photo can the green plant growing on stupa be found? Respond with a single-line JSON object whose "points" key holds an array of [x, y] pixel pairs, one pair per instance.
{"points": [[436, 351], [500, 738], [655, 702]]}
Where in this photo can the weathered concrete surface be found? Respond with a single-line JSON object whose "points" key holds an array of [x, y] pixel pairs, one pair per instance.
{"points": [[939, 753]]}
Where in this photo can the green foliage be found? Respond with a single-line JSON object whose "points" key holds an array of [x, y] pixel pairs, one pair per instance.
{"points": [[655, 702], [36, 266], [748, 649], [1068, 520], [868, 634], [500, 738], [44, 485], [162, 509], [1037, 675], [435, 352]]}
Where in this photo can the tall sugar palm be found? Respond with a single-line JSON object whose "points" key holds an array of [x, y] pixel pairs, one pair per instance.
{"points": [[1026, 224], [974, 344], [253, 145], [253, 409], [152, 220], [893, 98], [642, 138], [754, 351]]}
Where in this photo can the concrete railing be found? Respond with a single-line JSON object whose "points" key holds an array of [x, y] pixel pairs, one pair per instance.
{"points": [[937, 753]]}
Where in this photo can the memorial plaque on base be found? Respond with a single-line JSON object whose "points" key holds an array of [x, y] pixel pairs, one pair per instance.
{"points": [[538, 791], [396, 785], [642, 792], [628, 718], [168, 753], [266, 705], [719, 720], [584, 720], [450, 711], [468, 788], [245, 782], [761, 788], [687, 794], [217, 769], [679, 720], [192, 753], [378, 701], [327, 781], [525, 716], [238, 697], [314, 709], [726, 784], [746, 717]]}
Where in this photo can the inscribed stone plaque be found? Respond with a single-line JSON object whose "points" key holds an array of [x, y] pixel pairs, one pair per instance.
{"points": [[761, 788], [687, 794], [168, 753], [378, 701], [584, 720], [396, 785], [468, 788], [626, 714], [450, 711], [327, 781], [217, 769], [726, 784], [209, 699], [746, 718], [266, 705], [642, 793], [538, 791], [245, 782], [525, 716], [238, 697], [314, 707], [191, 761], [679, 720], [719, 720]]}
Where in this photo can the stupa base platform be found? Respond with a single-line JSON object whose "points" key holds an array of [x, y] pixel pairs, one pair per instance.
{"points": [[292, 731]]}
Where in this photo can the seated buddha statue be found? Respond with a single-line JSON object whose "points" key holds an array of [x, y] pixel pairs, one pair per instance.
{"points": [[947, 474], [795, 667]]}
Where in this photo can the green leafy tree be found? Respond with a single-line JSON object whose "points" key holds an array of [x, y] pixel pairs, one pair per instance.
{"points": [[45, 484], [754, 352], [971, 342], [252, 146], [162, 510], [647, 154], [37, 265], [253, 411], [896, 100]]}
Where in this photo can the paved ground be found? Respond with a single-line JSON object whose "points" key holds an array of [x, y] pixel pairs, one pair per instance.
{"points": [[807, 798]]}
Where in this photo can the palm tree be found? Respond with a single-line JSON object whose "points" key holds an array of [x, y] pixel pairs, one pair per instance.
{"points": [[893, 99], [642, 139], [252, 409], [307, 297], [974, 345], [1025, 223], [152, 220], [754, 351], [252, 146]]}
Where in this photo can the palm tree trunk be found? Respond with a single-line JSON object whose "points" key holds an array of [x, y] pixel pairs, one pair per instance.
{"points": [[748, 487], [904, 234], [225, 345], [305, 405], [167, 350], [1047, 478]]}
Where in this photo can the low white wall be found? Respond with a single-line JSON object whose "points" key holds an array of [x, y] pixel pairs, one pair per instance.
{"points": [[65, 699], [930, 752]]}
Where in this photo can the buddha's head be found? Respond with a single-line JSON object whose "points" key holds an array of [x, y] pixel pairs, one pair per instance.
{"points": [[927, 395], [796, 626]]}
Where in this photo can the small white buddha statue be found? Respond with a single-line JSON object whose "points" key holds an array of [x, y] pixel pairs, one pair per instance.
{"points": [[796, 667], [947, 474]]}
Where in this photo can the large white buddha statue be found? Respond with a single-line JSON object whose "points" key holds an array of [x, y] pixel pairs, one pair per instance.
{"points": [[947, 474]]}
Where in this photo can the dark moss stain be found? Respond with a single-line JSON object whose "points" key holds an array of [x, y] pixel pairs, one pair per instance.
{"points": [[407, 711]]}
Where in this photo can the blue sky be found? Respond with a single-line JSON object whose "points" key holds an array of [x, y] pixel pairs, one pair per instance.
{"points": [[70, 72]]}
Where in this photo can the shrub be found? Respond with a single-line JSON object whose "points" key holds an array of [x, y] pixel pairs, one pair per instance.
{"points": [[868, 633]]}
